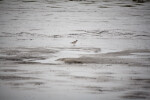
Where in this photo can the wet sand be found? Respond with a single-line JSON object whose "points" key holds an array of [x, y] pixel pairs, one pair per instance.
{"points": [[129, 57], [110, 61], [121, 75]]}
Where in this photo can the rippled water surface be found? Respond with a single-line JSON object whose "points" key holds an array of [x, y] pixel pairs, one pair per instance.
{"points": [[110, 60]]}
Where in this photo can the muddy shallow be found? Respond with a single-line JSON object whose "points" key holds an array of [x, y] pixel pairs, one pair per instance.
{"points": [[111, 59]]}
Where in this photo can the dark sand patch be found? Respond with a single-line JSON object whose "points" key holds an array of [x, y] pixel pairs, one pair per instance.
{"points": [[88, 2], [120, 3], [103, 7], [142, 35], [77, 0], [136, 95], [10, 58], [36, 63], [9, 78], [56, 36], [106, 0], [138, 4], [28, 62], [146, 86], [127, 6], [22, 58], [84, 78], [97, 79], [104, 73], [108, 58], [98, 89], [29, 1], [127, 52], [142, 80], [15, 51], [98, 60], [15, 84], [25, 55], [25, 83], [11, 70], [54, 6]]}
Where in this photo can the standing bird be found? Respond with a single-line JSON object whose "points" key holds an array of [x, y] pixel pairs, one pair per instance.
{"points": [[74, 42]]}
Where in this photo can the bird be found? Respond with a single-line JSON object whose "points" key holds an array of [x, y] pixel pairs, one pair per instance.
{"points": [[74, 42]]}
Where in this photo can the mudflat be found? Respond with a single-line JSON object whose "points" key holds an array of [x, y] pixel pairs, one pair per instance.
{"points": [[110, 60]]}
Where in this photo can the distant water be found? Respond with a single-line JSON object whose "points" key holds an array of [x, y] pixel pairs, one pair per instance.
{"points": [[63, 17]]}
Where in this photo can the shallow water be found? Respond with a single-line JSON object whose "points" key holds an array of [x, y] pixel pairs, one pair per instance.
{"points": [[110, 60]]}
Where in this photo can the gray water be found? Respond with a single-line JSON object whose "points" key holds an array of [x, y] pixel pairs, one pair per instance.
{"points": [[110, 60]]}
